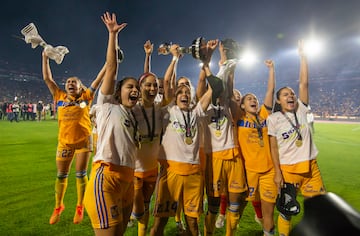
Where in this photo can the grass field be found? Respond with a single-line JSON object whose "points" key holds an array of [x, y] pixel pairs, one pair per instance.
{"points": [[27, 167]]}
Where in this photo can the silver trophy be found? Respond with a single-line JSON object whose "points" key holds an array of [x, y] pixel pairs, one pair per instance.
{"points": [[198, 49], [232, 49], [32, 36]]}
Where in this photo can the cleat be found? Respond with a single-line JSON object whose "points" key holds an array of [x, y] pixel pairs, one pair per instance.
{"points": [[180, 228], [55, 217], [79, 214], [220, 221]]}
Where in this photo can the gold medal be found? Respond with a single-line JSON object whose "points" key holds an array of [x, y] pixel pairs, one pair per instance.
{"points": [[188, 140], [83, 104], [217, 133], [261, 143], [298, 142]]}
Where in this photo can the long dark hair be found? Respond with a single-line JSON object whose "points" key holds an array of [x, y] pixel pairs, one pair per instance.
{"points": [[277, 106], [118, 86]]}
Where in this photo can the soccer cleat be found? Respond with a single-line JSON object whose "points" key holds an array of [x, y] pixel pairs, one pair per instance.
{"points": [[131, 222], [79, 214], [55, 217], [220, 221], [180, 228]]}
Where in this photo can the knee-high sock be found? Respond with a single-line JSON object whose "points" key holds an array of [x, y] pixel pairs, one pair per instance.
{"points": [[178, 214], [144, 221], [257, 209], [284, 225], [81, 182], [223, 204], [232, 219], [209, 226], [60, 189]]}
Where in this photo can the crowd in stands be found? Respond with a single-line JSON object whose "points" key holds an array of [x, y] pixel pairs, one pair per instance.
{"points": [[331, 98]]}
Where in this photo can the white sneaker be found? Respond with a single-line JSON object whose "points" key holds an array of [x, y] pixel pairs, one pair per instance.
{"points": [[131, 223], [220, 221]]}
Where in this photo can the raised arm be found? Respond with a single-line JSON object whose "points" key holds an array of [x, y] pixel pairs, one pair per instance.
{"points": [[269, 95], [214, 88], [170, 74], [148, 48], [97, 81], [111, 65], [201, 86], [303, 75], [47, 75]]}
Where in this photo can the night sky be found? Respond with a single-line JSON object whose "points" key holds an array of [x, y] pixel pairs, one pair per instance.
{"points": [[271, 28]]}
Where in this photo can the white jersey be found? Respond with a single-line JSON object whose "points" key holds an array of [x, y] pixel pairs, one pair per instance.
{"points": [[220, 129], [116, 133], [149, 127], [286, 135], [174, 139]]}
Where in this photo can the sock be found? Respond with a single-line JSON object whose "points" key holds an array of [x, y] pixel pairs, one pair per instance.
{"points": [[81, 182], [144, 221], [232, 219], [257, 208], [223, 204], [60, 189], [284, 225], [178, 215], [209, 225]]}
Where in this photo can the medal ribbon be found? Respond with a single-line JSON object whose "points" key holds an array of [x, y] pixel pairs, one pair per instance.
{"points": [[187, 124], [217, 116], [296, 126], [134, 124], [151, 129], [258, 127]]}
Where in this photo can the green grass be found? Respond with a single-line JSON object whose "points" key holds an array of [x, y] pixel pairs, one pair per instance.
{"points": [[28, 171]]}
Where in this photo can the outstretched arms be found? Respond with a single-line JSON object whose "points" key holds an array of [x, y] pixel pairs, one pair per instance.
{"points": [[47, 75], [170, 74], [269, 95], [148, 48], [303, 75], [111, 65]]}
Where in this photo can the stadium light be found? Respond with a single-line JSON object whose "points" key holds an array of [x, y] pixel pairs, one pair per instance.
{"points": [[313, 47], [248, 58]]}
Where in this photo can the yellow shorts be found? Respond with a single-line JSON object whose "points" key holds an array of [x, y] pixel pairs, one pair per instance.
{"points": [[262, 184], [108, 192], [224, 176], [173, 190], [310, 184], [65, 151]]}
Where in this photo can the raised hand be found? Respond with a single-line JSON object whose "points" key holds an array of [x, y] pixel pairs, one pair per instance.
{"points": [[111, 23], [269, 63], [148, 47], [301, 48]]}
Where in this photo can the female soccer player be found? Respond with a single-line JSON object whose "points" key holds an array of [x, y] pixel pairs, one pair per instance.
{"points": [[110, 192], [292, 146], [224, 166], [74, 138], [181, 180], [255, 148], [149, 116]]}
